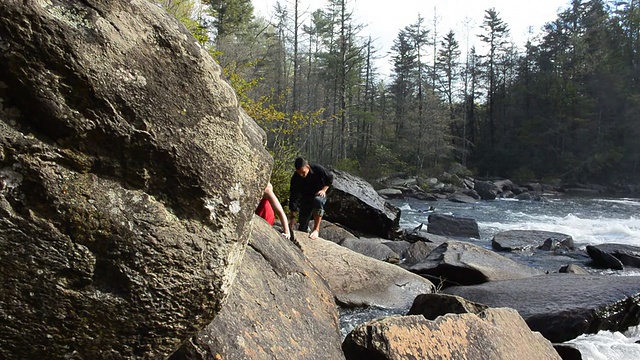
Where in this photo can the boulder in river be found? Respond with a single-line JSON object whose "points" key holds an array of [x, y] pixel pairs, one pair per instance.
{"points": [[354, 203], [627, 255], [492, 334], [486, 189], [526, 240], [129, 178], [453, 226], [461, 263], [460, 197], [603, 259], [564, 306]]}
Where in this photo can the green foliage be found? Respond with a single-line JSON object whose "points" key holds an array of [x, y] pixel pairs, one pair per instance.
{"points": [[229, 16], [281, 127], [381, 162], [188, 13], [523, 174], [349, 165]]}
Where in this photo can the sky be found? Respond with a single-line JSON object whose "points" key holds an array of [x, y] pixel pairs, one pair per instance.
{"points": [[384, 19]]}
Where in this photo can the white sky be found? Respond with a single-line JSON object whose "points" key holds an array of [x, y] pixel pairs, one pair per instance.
{"points": [[383, 19]]}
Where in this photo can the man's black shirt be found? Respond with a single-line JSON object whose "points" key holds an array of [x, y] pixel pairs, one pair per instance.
{"points": [[307, 187]]}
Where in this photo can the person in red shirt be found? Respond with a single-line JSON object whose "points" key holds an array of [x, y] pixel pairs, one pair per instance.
{"points": [[269, 206]]}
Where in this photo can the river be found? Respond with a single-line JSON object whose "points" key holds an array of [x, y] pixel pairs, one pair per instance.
{"points": [[589, 220]]}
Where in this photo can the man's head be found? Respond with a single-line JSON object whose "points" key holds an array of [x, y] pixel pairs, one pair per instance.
{"points": [[302, 167]]}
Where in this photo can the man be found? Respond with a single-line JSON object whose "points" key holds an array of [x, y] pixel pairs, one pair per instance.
{"points": [[309, 185]]}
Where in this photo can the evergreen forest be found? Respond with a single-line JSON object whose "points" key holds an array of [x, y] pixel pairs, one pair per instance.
{"points": [[565, 105]]}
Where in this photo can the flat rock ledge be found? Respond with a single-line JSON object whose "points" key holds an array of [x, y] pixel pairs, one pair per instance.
{"points": [[360, 281]]}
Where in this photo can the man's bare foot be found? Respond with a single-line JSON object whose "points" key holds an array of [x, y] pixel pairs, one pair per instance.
{"points": [[313, 235]]}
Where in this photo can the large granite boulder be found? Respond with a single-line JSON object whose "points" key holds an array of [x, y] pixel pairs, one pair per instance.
{"points": [[360, 281], [448, 225], [526, 240], [354, 203], [461, 263], [564, 306], [129, 176], [276, 296], [493, 334]]}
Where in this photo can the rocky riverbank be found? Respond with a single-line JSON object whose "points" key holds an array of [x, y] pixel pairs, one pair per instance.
{"points": [[460, 186], [416, 275], [128, 180]]}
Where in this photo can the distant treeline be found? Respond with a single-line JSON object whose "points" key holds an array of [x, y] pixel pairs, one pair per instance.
{"points": [[567, 106]]}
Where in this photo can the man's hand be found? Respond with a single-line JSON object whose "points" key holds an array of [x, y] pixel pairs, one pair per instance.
{"points": [[322, 192]]}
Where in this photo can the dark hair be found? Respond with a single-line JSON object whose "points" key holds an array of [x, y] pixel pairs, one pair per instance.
{"points": [[300, 163]]}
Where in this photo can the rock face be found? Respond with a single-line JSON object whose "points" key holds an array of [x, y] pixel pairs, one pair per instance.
{"points": [[460, 263], [276, 296], [354, 203], [453, 226], [494, 334], [128, 175], [359, 281], [563, 306]]}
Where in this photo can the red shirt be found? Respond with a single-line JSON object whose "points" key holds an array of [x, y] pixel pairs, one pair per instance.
{"points": [[265, 211]]}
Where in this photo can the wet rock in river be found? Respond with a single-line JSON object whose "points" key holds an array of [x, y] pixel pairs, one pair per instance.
{"points": [[523, 240], [456, 262], [564, 306]]}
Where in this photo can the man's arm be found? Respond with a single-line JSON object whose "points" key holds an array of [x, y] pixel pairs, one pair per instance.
{"points": [[327, 179]]}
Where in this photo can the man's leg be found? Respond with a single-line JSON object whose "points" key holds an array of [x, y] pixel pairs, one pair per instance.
{"points": [[304, 215], [318, 213]]}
